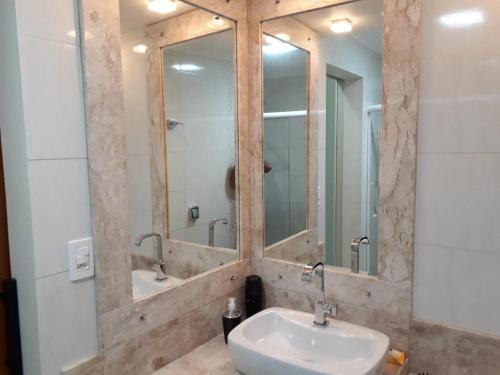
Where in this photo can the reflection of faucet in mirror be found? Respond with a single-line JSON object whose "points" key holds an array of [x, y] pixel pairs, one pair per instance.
{"points": [[321, 308], [355, 252], [211, 229], [158, 263]]}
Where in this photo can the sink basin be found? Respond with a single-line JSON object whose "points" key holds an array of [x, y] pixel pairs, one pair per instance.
{"points": [[144, 283], [279, 341]]}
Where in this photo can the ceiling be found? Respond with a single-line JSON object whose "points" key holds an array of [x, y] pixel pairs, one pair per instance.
{"points": [[366, 17], [134, 14]]}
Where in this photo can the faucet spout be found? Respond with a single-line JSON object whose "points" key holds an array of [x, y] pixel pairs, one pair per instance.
{"points": [[321, 308], [211, 229], [158, 262]]}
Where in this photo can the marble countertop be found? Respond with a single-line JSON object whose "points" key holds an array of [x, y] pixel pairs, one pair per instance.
{"points": [[213, 358]]}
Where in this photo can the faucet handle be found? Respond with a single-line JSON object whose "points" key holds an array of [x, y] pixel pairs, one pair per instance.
{"points": [[307, 272], [331, 309]]}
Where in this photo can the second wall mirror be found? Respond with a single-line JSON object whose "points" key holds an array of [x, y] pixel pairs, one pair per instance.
{"points": [[322, 73], [180, 118]]}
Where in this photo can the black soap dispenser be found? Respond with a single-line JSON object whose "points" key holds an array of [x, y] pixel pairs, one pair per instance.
{"points": [[231, 317]]}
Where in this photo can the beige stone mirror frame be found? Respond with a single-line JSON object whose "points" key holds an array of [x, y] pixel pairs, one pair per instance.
{"points": [[383, 302], [143, 336], [160, 320]]}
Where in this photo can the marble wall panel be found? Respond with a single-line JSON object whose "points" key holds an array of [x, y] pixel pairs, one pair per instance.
{"points": [[106, 152], [383, 301], [302, 247], [437, 349]]}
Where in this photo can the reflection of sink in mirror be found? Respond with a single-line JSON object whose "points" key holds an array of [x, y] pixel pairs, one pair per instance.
{"points": [[281, 341], [144, 283]]}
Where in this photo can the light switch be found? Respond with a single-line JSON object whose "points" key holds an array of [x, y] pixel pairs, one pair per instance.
{"points": [[81, 259]]}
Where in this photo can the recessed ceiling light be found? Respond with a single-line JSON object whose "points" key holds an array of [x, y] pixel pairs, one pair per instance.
{"points": [[341, 26], [187, 67], [162, 6], [140, 48], [216, 22], [462, 19]]}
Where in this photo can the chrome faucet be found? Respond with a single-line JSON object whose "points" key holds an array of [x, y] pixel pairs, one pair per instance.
{"points": [[321, 308], [158, 263], [355, 252], [211, 230]]}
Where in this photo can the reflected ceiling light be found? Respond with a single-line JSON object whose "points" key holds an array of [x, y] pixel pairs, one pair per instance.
{"points": [[341, 26], [140, 48], [462, 19], [162, 6], [216, 22], [187, 67], [283, 36], [274, 46]]}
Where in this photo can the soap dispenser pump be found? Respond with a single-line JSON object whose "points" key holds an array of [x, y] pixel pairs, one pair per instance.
{"points": [[231, 317]]}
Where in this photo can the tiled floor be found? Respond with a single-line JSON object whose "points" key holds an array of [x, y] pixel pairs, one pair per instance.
{"points": [[213, 358]]}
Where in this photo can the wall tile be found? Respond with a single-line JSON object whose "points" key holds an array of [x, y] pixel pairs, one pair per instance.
{"points": [[457, 201], [53, 99], [457, 287], [59, 193], [50, 19], [67, 321]]}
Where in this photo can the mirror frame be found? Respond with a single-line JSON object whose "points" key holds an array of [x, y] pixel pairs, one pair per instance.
{"points": [[117, 321], [163, 35], [400, 83]]}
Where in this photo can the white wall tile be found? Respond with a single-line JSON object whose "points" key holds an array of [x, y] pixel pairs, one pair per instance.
{"points": [[458, 201], [67, 321], [60, 210], [53, 99], [457, 287], [459, 124], [51, 19]]}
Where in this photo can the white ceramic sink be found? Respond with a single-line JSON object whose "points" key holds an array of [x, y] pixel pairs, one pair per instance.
{"points": [[144, 283], [279, 341]]}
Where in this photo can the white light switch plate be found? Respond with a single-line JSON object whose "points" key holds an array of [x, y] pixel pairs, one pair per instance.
{"points": [[81, 259]]}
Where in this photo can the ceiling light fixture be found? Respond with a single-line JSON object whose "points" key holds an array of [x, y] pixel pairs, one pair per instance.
{"points": [[341, 26], [216, 22], [162, 6], [140, 48], [465, 18]]}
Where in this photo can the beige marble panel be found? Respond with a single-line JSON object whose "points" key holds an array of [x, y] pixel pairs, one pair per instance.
{"points": [[214, 357], [123, 324], [153, 350], [261, 10], [375, 301], [185, 259], [156, 348], [438, 349], [130, 342], [106, 152], [302, 248], [400, 73]]}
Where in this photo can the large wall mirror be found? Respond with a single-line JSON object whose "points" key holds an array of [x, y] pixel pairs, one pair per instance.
{"points": [[339, 169], [180, 123]]}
